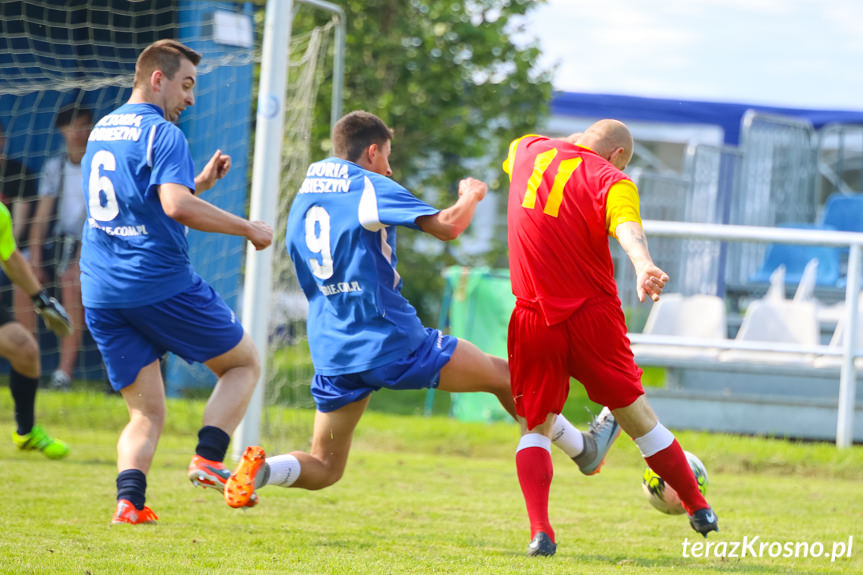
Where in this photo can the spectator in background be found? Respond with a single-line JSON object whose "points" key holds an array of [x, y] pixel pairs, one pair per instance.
{"points": [[17, 188], [55, 233]]}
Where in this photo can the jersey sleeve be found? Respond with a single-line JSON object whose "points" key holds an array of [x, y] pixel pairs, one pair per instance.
{"points": [[385, 202], [510, 157], [7, 240], [621, 205], [171, 160]]}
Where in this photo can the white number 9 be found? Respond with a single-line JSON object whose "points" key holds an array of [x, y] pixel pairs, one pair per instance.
{"points": [[102, 184], [318, 241]]}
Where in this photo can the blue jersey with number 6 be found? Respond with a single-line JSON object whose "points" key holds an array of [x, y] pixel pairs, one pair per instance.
{"points": [[132, 253], [341, 236]]}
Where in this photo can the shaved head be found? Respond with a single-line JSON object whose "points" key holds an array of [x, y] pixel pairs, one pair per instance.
{"points": [[608, 138]]}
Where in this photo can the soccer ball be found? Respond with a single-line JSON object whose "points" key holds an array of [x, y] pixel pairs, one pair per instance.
{"points": [[662, 496]]}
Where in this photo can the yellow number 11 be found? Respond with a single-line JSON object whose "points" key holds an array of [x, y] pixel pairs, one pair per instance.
{"points": [[555, 196]]}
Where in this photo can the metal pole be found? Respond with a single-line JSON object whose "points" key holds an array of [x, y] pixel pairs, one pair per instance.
{"points": [[264, 200], [848, 378]]}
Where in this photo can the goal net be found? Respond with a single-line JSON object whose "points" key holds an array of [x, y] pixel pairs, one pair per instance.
{"points": [[59, 59]]}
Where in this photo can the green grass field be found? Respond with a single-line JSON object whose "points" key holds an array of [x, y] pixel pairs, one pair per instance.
{"points": [[421, 495]]}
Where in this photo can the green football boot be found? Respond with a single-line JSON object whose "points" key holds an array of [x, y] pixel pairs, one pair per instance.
{"points": [[39, 440]]}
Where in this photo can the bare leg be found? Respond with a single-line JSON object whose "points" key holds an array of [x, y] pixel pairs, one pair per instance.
{"points": [[24, 313], [637, 418], [471, 369], [18, 345], [69, 345], [238, 371], [331, 444], [145, 399]]}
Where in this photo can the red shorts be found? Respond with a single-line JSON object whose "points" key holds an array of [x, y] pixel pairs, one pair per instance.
{"points": [[590, 346]]}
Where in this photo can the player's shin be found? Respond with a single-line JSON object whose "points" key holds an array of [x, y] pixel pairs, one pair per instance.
{"points": [[535, 472], [565, 436], [664, 455], [281, 470]]}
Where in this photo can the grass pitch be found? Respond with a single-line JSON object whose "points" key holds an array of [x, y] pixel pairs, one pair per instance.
{"points": [[420, 495]]}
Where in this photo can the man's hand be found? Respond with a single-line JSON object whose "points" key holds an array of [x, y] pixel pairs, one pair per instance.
{"points": [[216, 169], [53, 314], [260, 234], [650, 281], [472, 186]]}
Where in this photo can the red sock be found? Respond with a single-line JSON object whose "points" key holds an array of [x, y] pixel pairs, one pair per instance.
{"points": [[672, 466], [534, 475]]}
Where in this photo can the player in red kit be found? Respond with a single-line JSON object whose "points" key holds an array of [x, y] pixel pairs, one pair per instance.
{"points": [[565, 198]]}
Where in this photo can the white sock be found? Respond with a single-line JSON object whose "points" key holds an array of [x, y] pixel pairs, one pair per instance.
{"points": [[566, 436], [534, 440], [284, 470], [654, 440]]}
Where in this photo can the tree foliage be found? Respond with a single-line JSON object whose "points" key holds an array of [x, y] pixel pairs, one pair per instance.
{"points": [[455, 87]]}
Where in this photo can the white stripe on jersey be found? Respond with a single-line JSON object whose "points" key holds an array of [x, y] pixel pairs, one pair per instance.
{"points": [[368, 208], [387, 252], [150, 140], [367, 212]]}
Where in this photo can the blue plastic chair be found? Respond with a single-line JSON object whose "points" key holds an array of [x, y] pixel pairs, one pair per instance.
{"points": [[844, 213], [795, 257]]}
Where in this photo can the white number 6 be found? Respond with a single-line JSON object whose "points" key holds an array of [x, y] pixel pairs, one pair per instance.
{"points": [[318, 240], [102, 184]]}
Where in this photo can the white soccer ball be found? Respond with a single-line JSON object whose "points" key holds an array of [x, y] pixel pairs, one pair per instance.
{"points": [[662, 496]]}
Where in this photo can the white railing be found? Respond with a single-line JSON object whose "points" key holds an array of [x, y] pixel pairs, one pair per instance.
{"points": [[854, 241]]}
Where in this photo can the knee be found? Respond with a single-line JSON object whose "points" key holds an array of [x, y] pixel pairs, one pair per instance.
{"points": [[152, 417], [330, 477], [249, 359], [26, 360]]}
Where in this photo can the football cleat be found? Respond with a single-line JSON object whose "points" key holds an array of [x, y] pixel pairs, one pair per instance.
{"points": [[604, 429], [207, 473], [240, 487], [60, 381], [39, 440], [541, 546], [704, 521], [128, 513]]}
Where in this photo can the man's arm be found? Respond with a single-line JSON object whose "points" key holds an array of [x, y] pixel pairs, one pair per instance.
{"points": [[19, 271], [38, 229], [52, 312], [216, 169], [650, 280], [21, 209], [182, 205], [449, 223]]}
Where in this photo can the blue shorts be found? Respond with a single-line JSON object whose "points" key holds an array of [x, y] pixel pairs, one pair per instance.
{"points": [[418, 370], [195, 324]]}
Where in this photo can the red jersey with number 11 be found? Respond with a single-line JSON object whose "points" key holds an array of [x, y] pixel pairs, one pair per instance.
{"points": [[556, 225]]}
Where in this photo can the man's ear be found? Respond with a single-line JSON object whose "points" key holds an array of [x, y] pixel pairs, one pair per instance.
{"points": [[367, 156], [156, 80], [618, 156], [372, 152]]}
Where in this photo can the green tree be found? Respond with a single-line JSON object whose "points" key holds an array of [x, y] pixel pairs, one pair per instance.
{"points": [[448, 78]]}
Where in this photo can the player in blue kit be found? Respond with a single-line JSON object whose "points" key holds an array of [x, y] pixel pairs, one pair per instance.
{"points": [[141, 295], [363, 334]]}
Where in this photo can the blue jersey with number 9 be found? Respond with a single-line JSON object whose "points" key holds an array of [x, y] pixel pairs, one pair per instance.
{"points": [[341, 235], [132, 253]]}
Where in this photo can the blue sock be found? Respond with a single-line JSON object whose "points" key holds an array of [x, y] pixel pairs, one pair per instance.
{"points": [[212, 443], [23, 390], [132, 486]]}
